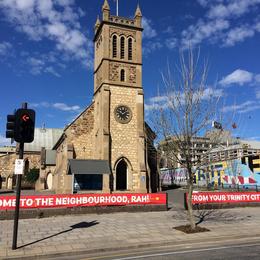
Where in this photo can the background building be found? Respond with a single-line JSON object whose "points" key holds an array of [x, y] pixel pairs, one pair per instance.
{"points": [[44, 137], [226, 162]]}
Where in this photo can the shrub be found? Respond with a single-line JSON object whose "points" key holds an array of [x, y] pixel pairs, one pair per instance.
{"points": [[32, 175]]}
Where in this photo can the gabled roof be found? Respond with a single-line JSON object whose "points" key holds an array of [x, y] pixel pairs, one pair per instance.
{"points": [[63, 135], [43, 137], [88, 167], [67, 126]]}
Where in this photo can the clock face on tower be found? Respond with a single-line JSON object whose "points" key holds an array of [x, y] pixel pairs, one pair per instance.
{"points": [[123, 114]]}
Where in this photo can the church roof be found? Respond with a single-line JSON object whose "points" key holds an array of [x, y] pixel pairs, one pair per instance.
{"points": [[43, 137], [88, 107], [88, 167]]}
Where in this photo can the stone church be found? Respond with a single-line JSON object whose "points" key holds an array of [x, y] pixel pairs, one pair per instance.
{"points": [[108, 146]]}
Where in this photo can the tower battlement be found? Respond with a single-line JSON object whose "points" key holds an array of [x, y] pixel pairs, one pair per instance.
{"points": [[118, 20], [121, 20]]}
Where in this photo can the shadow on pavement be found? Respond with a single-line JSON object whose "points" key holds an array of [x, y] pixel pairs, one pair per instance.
{"points": [[78, 225]]}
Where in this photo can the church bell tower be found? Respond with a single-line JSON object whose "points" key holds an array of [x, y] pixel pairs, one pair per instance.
{"points": [[118, 99]]}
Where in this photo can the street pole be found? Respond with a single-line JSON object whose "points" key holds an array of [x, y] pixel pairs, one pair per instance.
{"points": [[18, 194]]}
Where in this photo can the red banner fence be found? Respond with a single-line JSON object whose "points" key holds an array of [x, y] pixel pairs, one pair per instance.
{"points": [[83, 200], [224, 197]]}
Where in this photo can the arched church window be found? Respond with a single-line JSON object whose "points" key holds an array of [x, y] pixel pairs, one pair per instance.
{"points": [[122, 75], [122, 47], [114, 46], [130, 49]]}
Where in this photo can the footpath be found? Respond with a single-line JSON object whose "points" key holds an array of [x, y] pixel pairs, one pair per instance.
{"points": [[90, 233]]}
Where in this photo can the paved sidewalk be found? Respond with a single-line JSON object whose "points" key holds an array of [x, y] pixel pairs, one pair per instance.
{"points": [[92, 232]]}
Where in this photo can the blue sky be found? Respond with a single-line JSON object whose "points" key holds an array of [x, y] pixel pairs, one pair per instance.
{"points": [[46, 54]]}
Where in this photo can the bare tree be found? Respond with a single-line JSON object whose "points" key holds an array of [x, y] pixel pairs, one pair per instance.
{"points": [[188, 109]]}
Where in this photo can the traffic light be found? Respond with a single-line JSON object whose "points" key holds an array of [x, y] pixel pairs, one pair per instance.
{"points": [[10, 126], [24, 125], [20, 126]]}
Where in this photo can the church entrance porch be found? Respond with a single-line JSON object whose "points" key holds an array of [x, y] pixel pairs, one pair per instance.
{"points": [[88, 182], [89, 175], [121, 175]]}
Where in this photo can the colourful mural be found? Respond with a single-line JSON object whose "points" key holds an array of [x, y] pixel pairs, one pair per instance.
{"points": [[244, 173]]}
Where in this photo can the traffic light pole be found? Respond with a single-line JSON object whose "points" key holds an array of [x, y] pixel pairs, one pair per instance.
{"points": [[18, 194], [17, 204]]}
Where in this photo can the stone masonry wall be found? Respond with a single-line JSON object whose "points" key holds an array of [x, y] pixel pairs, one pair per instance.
{"points": [[124, 136], [79, 134], [7, 163]]}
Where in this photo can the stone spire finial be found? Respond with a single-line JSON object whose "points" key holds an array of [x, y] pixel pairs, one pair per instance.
{"points": [[106, 11], [106, 6], [97, 24], [138, 11], [138, 16], [97, 21]]}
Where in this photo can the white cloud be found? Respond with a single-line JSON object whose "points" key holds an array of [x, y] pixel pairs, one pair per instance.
{"points": [[155, 106], [5, 48], [171, 43], [238, 34], [249, 108], [4, 141], [257, 94], [55, 20], [244, 107], [203, 3], [233, 8], [148, 32], [24, 4], [151, 46], [158, 99], [52, 71], [57, 29], [239, 77], [59, 106], [158, 102], [36, 65], [166, 101], [218, 24], [65, 107], [169, 30], [257, 78], [41, 104], [257, 27], [209, 93], [35, 62], [41, 65], [195, 34]]}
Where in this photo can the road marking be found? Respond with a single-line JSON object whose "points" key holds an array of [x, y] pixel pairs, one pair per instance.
{"points": [[169, 247], [184, 252]]}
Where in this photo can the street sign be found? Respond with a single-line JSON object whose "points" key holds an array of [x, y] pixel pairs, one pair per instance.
{"points": [[19, 166], [217, 125]]}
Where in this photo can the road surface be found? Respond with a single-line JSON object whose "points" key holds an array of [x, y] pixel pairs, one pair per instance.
{"points": [[226, 250]]}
